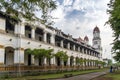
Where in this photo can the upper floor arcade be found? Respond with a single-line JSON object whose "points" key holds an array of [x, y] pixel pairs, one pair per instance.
{"points": [[46, 35]]}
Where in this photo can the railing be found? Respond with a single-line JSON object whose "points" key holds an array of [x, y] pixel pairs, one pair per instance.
{"points": [[44, 68]]}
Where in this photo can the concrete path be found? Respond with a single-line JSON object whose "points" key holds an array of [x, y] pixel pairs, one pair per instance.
{"points": [[84, 77]]}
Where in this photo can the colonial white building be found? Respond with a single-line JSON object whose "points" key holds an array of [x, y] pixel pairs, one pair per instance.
{"points": [[16, 39]]}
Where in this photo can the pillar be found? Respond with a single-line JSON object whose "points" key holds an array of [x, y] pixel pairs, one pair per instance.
{"points": [[19, 56], [68, 45], [2, 55], [33, 33], [2, 24], [52, 62], [83, 50], [74, 61], [61, 43], [45, 61], [20, 29], [68, 62], [36, 62], [52, 39], [62, 63], [74, 47], [45, 36], [32, 60]]}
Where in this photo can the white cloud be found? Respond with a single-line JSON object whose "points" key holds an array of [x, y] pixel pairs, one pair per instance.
{"points": [[89, 13], [58, 14], [67, 2]]}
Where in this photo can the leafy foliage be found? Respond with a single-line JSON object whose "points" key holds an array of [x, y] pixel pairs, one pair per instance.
{"points": [[62, 55], [28, 51], [26, 9], [77, 60], [81, 61], [114, 21], [39, 53]]}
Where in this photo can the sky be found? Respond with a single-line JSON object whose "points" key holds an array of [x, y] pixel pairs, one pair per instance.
{"points": [[80, 17]]}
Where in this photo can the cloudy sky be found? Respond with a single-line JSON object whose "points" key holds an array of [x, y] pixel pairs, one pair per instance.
{"points": [[79, 17]]}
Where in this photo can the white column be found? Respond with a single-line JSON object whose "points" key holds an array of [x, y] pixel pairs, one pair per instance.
{"points": [[86, 63], [45, 36], [19, 56], [2, 56], [74, 61], [52, 61], [33, 33], [52, 39], [74, 47], [20, 29], [32, 59], [91, 63], [36, 61], [68, 45], [45, 61], [2, 24], [61, 43], [83, 50], [62, 62], [68, 62]]}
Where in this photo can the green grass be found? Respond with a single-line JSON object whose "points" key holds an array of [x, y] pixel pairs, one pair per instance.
{"points": [[58, 75], [114, 75]]}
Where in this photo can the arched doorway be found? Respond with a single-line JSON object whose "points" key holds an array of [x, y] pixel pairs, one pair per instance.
{"points": [[48, 61], [77, 61], [41, 61], [65, 63], [71, 60], [27, 58], [9, 56], [58, 61]]}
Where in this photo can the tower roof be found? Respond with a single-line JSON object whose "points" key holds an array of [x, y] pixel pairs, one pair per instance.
{"points": [[86, 38], [80, 39], [96, 29]]}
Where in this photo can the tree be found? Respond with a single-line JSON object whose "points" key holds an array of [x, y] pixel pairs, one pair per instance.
{"points": [[40, 53], [19, 9], [62, 55], [28, 51], [114, 21], [81, 61], [77, 60], [109, 62]]}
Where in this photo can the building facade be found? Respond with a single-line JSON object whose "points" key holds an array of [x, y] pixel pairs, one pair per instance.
{"points": [[16, 38]]}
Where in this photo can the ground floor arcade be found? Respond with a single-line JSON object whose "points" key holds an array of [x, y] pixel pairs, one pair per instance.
{"points": [[12, 59]]}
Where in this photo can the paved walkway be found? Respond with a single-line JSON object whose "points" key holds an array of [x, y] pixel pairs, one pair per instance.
{"points": [[84, 77]]}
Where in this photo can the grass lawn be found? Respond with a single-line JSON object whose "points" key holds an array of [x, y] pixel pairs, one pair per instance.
{"points": [[58, 75], [114, 75], [110, 76]]}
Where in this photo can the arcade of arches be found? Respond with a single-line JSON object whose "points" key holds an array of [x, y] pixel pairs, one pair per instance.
{"points": [[47, 63]]}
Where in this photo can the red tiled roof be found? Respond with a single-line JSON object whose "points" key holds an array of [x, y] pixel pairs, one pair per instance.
{"points": [[86, 38], [80, 39]]}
